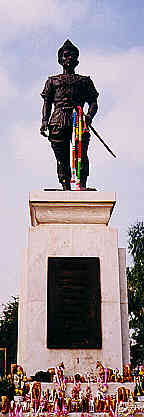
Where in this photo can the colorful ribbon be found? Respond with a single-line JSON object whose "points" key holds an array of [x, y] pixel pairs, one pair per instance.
{"points": [[79, 127]]}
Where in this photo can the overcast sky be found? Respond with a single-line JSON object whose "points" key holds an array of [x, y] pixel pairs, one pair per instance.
{"points": [[110, 36]]}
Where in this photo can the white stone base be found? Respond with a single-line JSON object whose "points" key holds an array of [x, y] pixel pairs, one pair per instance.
{"points": [[72, 224]]}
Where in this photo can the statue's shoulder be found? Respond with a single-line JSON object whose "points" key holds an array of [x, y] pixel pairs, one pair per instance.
{"points": [[89, 85], [52, 78], [61, 77], [83, 77], [49, 84]]}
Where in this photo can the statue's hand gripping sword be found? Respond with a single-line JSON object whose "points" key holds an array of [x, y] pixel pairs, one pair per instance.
{"points": [[101, 140]]}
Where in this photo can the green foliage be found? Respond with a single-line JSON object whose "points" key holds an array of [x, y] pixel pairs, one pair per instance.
{"points": [[7, 388], [135, 276], [9, 330]]}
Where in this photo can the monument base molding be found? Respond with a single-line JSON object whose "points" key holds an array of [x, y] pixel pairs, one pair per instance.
{"points": [[73, 225]]}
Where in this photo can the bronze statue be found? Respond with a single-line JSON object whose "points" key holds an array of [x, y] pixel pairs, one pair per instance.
{"points": [[67, 91]]}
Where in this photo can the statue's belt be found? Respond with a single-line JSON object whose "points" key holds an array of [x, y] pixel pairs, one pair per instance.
{"points": [[66, 107]]}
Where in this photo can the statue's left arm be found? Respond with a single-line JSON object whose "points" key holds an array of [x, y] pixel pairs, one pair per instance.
{"points": [[91, 98], [47, 95]]}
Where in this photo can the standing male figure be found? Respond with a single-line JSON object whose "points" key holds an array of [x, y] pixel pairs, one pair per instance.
{"points": [[67, 91]]}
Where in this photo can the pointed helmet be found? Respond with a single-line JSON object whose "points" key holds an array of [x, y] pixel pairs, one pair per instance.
{"points": [[68, 45]]}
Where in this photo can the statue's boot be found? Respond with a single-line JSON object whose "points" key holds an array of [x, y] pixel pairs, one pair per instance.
{"points": [[83, 183], [66, 185]]}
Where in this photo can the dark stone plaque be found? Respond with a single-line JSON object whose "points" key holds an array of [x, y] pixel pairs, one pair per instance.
{"points": [[74, 303]]}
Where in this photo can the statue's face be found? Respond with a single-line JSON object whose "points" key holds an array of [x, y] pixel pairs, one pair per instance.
{"points": [[69, 60]]}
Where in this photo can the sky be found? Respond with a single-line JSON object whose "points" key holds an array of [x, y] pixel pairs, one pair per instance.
{"points": [[110, 36]]}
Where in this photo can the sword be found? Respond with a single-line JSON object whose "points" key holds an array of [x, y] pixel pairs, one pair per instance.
{"points": [[101, 140]]}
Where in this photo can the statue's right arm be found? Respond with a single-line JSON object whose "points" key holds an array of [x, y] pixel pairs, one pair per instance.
{"points": [[47, 95]]}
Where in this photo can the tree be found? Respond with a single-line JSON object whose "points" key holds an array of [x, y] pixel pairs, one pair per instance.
{"points": [[135, 276], [9, 330]]}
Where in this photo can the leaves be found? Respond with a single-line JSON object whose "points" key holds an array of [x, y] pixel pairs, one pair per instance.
{"points": [[9, 330], [136, 241], [7, 388], [135, 277]]}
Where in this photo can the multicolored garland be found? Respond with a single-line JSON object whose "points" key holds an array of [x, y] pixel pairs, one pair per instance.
{"points": [[79, 127]]}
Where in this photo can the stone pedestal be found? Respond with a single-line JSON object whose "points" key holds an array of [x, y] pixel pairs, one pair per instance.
{"points": [[72, 224]]}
